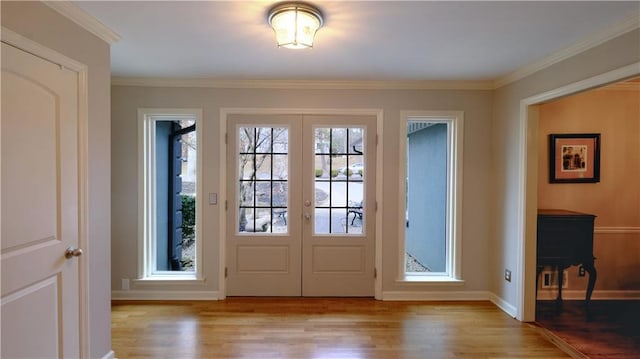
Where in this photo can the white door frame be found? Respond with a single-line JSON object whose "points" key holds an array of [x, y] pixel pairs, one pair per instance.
{"points": [[528, 184], [225, 112], [36, 49]]}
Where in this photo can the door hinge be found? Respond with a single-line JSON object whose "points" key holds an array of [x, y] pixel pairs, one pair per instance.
{"points": [[376, 205], [226, 138], [375, 273], [226, 205], [226, 272]]}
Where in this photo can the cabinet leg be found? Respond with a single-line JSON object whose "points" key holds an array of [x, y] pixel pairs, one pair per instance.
{"points": [[593, 275], [560, 277], [538, 271]]}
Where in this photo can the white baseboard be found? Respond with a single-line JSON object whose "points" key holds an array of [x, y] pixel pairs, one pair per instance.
{"points": [[503, 305], [433, 296], [164, 295], [596, 295], [109, 355]]}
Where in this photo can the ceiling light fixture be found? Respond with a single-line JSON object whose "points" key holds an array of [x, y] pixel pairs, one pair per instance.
{"points": [[295, 24]]}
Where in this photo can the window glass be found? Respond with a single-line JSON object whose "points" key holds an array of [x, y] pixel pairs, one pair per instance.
{"points": [[263, 171], [340, 180]]}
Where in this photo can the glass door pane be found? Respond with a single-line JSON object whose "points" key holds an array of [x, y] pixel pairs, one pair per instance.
{"points": [[263, 173], [339, 180]]}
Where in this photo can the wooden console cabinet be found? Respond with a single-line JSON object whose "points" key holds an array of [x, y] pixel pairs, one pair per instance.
{"points": [[565, 238]]}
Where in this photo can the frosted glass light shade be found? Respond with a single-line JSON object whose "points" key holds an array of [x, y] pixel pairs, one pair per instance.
{"points": [[295, 25]]}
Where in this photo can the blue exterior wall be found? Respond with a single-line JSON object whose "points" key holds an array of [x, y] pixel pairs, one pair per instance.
{"points": [[426, 196], [163, 130]]}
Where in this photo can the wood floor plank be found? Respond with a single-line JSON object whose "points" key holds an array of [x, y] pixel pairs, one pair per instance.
{"points": [[610, 331], [322, 328]]}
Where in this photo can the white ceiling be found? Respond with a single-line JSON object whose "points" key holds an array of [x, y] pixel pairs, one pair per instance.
{"points": [[360, 40]]}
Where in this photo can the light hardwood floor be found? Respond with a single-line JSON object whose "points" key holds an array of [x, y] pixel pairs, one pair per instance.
{"points": [[322, 328]]}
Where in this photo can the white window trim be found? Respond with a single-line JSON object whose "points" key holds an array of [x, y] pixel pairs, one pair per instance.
{"points": [[455, 120], [146, 195]]}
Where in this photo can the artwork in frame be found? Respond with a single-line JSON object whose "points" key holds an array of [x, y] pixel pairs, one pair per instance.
{"points": [[574, 158]]}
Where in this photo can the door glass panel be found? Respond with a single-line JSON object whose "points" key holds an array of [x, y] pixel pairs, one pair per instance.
{"points": [[262, 179], [339, 180], [355, 141]]}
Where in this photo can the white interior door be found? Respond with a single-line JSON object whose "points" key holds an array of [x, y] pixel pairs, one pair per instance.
{"points": [[40, 286], [301, 196]]}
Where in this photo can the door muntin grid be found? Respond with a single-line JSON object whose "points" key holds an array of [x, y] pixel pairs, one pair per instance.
{"points": [[339, 180], [263, 180]]}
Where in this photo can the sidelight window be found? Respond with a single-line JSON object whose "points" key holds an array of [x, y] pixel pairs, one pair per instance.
{"points": [[432, 195], [169, 201]]}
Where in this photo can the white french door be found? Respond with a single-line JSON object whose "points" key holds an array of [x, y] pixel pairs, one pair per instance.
{"points": [[301, 205]]}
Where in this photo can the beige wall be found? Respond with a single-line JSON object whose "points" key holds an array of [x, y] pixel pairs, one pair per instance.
{"points": [[475, 227], [507, 154], [492, 150], [613, 112], [45, 26]]}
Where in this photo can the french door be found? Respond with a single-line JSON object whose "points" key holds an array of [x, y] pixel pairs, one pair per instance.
{"points": [[301, 205]]}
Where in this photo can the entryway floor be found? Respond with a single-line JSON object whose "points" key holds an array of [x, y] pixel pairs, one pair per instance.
{"points": [[612, 330]]}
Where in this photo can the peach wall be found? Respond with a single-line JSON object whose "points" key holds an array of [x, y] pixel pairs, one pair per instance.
{"points": [[614, 112]]}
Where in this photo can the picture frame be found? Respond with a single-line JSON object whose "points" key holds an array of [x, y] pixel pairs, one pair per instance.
{"points": [[574, 158]]}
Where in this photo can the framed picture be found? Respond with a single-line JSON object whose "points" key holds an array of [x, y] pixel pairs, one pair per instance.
{"points": [[574, 158]]}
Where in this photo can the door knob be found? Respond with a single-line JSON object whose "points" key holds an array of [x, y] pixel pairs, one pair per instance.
{"points": [[307, 203], [307, 216], [72, 252]]}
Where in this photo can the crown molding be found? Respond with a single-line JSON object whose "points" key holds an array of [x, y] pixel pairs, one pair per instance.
{"points": [[86, 21], [630, 23], [302, 84]]}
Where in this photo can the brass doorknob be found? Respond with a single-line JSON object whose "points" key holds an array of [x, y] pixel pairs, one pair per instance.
{"points": [[72, 252]]}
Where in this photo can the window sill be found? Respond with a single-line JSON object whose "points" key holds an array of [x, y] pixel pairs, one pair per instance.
{"points": [[168, 280], [430, 280]]}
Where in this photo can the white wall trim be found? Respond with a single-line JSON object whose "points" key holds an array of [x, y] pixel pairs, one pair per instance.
{"points": [[435, 295], [503, 305], [616, 230], [378, 267], [86, 21], [525, 279], [579, 294], [109, 355], [630, 23], [165, 295], [34, 48], [302, 84]]}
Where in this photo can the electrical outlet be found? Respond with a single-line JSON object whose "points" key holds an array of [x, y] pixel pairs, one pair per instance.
{"points": [[550, 280], [507, 275], [581, 271], [125, 284]]}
